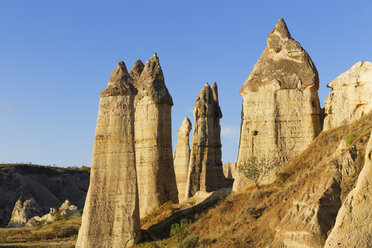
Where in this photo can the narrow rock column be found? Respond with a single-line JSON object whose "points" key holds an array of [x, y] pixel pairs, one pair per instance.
{"points": [[353, 227], [111, 212], [182, 158], [281, 113], [153, 139], [205, 168]]}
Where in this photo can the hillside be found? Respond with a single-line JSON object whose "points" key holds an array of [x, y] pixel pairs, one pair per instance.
{"points": [[49, 186], [304, 199]]}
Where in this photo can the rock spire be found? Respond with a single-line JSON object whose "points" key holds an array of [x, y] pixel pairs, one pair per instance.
{"points": [[182, 158], [153, 139], [281, 113], [111, 212], [205, 168]]}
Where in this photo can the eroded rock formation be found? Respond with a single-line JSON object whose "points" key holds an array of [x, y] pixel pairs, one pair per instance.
{"points": [[205, 168], [153, 139], [23, 211], [281, 114], [353, 227], [182, 158], [111, 213], [350, 97]]}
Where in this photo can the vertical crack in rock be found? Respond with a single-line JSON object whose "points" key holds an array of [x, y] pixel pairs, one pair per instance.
{"points": [[111, 212], [153, 138], [281, 113]]}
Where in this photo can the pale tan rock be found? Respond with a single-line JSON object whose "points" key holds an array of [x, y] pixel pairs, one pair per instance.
{"points": [[68, 209], [281, 113], [111, 212], [353, 227], [23, 211], [205, 168], [182, 158], [47, 218], [350, 97], [229, 170], [153, 139]]}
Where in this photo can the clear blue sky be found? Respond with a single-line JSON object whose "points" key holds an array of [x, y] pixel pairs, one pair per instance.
{"points": [[56, 57]]}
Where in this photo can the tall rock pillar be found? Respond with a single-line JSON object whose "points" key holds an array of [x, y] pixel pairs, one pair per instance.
{"points": [[111, 212], [153, 139], [281, 113], [205, 168], [182, 158]]}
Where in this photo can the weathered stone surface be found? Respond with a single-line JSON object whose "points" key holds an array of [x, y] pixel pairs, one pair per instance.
{"points": [[68, 209], [111, 212], [49, 217], [229, 170], [136, 71], [23, 211], [182, 158], [353, 226], [350, 97], [205, 168], [281, 113], [153, 139]]}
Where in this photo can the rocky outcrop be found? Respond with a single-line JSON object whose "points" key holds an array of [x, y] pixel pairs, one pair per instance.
{"points": [[23, 211], [353, 227], [182, 158], [111, 212], [49, 186], [205, 168], [281, 114], [350, 97], [47, 218], [67, 209], [153, 139]]}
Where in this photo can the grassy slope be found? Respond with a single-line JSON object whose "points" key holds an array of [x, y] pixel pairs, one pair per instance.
{"points": [[240, 220]]}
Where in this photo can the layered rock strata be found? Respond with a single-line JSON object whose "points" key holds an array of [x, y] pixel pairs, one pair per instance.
{"points": [[153, 139], [205, 168], [281, 113], [353, 227], [182, 158], [350, 97], [111, 213]]}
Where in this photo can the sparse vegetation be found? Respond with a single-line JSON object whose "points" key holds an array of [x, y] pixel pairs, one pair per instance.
{"points": [[350, 138], [256, 169], [178, 229]]}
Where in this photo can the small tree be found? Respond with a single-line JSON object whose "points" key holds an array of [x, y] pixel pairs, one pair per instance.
{"points": [[256, 169]]}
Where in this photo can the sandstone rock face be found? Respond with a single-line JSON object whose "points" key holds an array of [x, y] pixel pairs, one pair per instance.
{"points": [[111, 213], [205, 168], [45, 218], [281, 113], [353, 226], [182, 158], [153, 139], [68, 209], [229, 170], [23, 211], [350, 97]]}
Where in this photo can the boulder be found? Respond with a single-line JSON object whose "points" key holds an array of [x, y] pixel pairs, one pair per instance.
{"points": [[205, 168], [350, 97], [68, 209], [153, 138], [111, 212], [182, 158], [353, 227], [23, 211], [281, 113]]}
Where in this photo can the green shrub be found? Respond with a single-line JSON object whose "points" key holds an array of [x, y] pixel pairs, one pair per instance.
{"points": [[350, 138], [178, 229]]}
